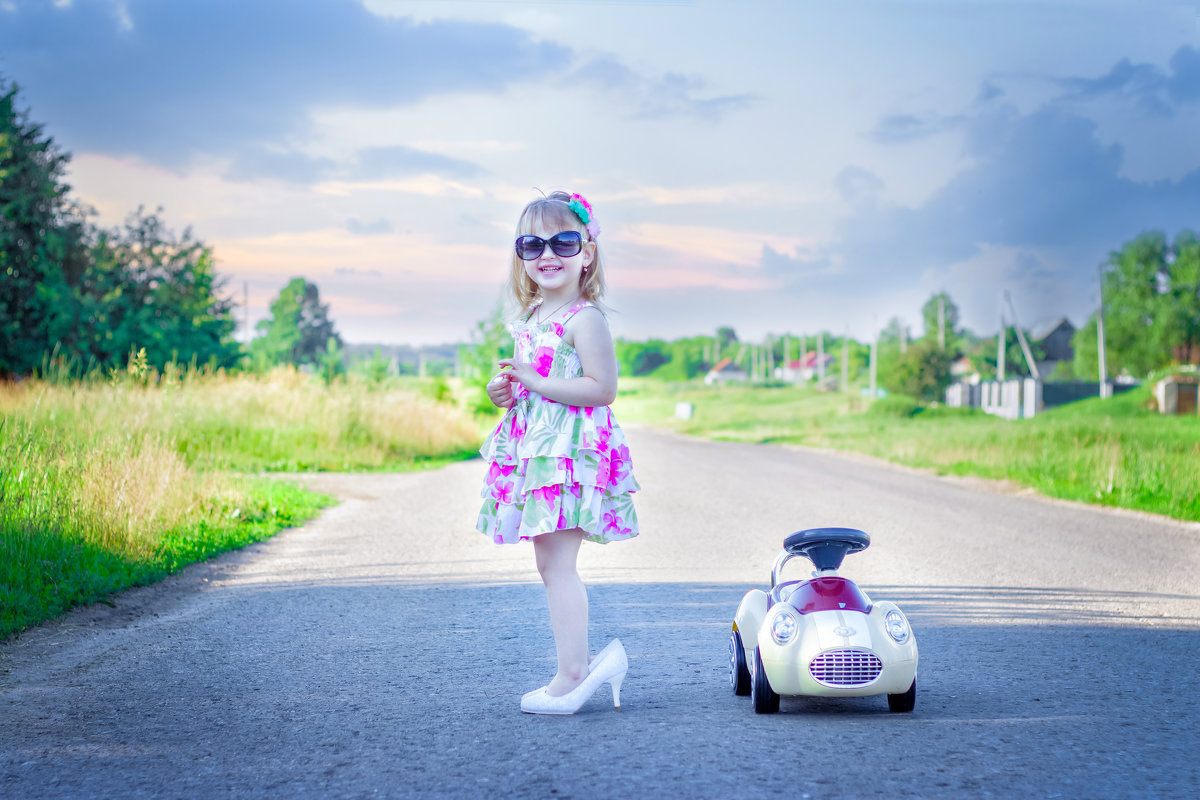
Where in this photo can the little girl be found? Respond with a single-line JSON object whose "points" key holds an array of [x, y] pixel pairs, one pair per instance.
{"points": [[559, 465]]}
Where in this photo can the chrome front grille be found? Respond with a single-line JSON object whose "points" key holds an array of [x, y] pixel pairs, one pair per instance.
{"points": [[845, 668]]}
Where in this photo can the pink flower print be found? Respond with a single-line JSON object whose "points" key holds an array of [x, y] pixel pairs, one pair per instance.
{"points": [[567, 467], [619, 463], [498, 471], [517, 428], [603, 434], [547, 494], [575, 491], [543, 358], [559, 330], [603, 478], [612, 524], [503, 491]]}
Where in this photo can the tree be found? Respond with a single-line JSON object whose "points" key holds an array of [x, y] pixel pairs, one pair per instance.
{"points": [[1151, 307], [42, 235], [490, 342], [94, 296], [298, 331], [922, 372], [146, 288], [929, 313]]}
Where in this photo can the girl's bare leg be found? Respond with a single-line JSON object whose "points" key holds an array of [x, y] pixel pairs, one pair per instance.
{"points": [[556, 555]]}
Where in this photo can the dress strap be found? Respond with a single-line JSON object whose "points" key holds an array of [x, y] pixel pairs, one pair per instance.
{"points": [[575, 309]]}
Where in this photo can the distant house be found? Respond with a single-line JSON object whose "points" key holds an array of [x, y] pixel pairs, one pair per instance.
{"points": [[724, 371], [964, 371], [1055, 340], [804, 368]]}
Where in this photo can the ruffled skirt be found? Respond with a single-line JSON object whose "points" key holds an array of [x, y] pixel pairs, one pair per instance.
{"points": [[554, 467]]}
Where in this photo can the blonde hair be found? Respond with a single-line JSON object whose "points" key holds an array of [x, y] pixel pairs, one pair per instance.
{"points": [[553, 212]]}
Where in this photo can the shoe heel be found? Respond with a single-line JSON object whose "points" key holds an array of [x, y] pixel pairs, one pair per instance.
{"points": [[616, 687]]}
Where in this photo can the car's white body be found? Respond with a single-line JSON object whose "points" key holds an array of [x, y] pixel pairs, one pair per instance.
{"points": [[822, 636], [844, 639]]}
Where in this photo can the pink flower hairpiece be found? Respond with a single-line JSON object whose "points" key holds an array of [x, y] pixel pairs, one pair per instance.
{"points": [[583, 209]]}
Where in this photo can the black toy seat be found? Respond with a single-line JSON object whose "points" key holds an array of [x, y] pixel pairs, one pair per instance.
{"points": [[826, 547]]}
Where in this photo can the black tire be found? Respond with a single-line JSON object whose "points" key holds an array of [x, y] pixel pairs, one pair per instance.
{"points": [[761, 694], [739, 673], [906, 701]]}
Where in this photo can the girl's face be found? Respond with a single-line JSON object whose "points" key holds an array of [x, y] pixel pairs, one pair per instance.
{"points": [[555, 275]]}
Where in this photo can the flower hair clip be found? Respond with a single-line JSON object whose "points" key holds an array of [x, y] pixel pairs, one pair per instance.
{"points": [[583, 209]]}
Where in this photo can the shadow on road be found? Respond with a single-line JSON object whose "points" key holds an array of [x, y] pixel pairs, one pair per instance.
{"points": [[412, 689]]}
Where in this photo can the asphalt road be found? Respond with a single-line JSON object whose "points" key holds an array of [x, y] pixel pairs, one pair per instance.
{"points": [[382, 650]]}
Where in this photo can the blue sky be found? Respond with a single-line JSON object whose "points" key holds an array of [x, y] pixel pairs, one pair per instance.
{"points": [[778, 167]]}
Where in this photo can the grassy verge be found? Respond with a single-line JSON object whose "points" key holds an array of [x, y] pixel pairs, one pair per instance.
{"points": [[1114, 452], [110, 484]]}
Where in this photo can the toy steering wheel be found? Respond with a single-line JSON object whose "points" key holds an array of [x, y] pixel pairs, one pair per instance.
{"points": [[824, 547]]}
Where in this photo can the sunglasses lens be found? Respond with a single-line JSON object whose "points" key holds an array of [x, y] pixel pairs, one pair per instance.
{"points": [[530, 247], [567, 243]]}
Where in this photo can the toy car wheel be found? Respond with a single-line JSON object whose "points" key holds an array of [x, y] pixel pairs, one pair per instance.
{"points": [[761, 694], [739, 673], [905, 701]]}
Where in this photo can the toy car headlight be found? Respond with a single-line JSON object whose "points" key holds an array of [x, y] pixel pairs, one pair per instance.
{"points": [[896, 626], [783, 627]]}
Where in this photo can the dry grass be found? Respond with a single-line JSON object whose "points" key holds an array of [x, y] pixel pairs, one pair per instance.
{"points": [[106, 484]]}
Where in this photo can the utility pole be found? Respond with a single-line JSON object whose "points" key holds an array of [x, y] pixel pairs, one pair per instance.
{"points": [[1033, 370], [820, 359], [804, 358], [787, 357], [1104, 390], [874, 350], [942, 321], [1001, 348], [903, 336], [846, 361], [246, 311]]}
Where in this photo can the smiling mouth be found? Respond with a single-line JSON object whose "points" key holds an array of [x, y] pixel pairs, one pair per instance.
{"points": [[550, 269]]}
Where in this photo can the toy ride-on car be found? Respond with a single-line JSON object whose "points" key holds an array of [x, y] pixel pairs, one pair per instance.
{"points": [[821, 637]]}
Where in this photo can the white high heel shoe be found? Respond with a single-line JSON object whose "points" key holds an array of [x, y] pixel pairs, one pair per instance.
{"points": [[611, 669], [608, 650]]}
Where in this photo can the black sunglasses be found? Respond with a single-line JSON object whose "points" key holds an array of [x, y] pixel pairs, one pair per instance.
{"points": [[565, 244]]}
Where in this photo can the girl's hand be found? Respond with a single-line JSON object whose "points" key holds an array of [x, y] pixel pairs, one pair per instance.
{"points": [[524, 374], [500, 391]]}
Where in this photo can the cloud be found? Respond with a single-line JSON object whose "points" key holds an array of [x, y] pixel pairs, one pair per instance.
{"points": [[368, 228], [676, 95], [1041, 200], [1156, 91], [255, 162], [169, 81], [896, 128], [667, 96], [857, 185], [401, 161], [368, 164]]}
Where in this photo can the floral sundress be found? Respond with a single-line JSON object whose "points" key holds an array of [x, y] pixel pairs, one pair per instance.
{"points": [[552, 466]]}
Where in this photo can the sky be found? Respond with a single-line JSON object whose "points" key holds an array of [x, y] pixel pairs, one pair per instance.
{"points": [[776, 167]]}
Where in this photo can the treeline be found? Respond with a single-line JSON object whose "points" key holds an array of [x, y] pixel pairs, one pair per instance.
{"points": [[1151, 316], [79, 298], [87, 293]]}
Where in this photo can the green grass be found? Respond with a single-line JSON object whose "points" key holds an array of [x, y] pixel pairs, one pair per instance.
{"points": [[108, 484], [53, 562], [1115, 452]]}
